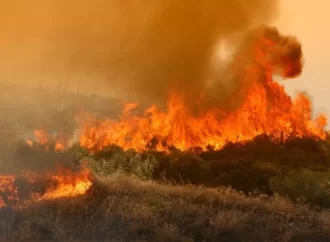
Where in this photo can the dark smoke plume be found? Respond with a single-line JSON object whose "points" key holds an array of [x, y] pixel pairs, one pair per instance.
{"points": [[141, 49]]}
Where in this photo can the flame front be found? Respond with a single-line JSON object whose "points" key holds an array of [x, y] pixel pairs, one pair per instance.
{"points": [[42, 137], [61, 184], [7, 187], [68, 184], [266, 108], [178, 128]]}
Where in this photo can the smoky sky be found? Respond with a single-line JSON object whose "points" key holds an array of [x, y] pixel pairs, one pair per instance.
{"points": [[141, 49]]}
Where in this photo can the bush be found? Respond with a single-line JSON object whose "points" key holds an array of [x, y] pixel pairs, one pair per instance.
{"points": [[244, 174], [188, 167], [245, 166], [143, 166], [306, 185], [140, 165], [79, 153]]}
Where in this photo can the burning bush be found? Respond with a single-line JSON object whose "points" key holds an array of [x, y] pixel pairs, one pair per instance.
{"points": [[263, 106], [18, 190]]}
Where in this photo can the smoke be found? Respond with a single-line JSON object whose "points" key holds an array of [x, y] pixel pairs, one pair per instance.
{"points": [[262, 53], [140, 49]]}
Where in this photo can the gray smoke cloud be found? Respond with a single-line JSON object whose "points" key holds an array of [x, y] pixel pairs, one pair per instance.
{"points": [[140, 49]]}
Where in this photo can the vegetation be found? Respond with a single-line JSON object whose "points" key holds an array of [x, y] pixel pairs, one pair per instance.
{"points": [[297, 169], [305, 186], [126, 209], [257, 191]]}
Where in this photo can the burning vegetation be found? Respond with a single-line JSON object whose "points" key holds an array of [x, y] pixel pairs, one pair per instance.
{"points": [[185, 121], [258, 106], [19, 190], [43, 138]]}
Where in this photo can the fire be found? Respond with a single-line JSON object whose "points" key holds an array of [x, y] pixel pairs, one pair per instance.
{"points": [[178, 128], [7, 186], [61, 184], [31, 186], [68, 184], [265, 108], [2, 203], [42, 137]]}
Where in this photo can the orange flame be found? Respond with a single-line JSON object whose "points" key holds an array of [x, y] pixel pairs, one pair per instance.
{"points": [[7, 186], [2, 203], [178, 128], [42, 137], [265, 109], [64, 183], [68, 184]]}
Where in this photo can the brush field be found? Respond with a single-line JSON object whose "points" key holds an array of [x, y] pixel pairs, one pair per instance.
{"points": [[258, 191]]}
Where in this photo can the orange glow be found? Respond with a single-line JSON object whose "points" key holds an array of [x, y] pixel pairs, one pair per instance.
{"points": [[7, 187], [2, 203], [266, 108], [178, 128], [61, 184], [68, 184], [42, 137], [29, 142]]}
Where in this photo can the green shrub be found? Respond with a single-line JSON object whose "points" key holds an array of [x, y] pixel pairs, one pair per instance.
{"points": [[244, 167], [143, 166], [306, 185], [188, 167], [244, 174], [140, 165], [103, 167], [79, 153]]}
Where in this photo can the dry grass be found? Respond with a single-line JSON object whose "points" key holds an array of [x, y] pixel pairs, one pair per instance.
{"points": [[125, 209]]}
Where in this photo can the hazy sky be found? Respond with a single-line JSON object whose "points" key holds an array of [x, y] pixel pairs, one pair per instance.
{"points": [[308, 20], [305, 19]]}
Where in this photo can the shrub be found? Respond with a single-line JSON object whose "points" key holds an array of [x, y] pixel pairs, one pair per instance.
{"points": [[143, 166], [140, 165], [310, 186], [79, 153], [244, 174], [188, 167]]}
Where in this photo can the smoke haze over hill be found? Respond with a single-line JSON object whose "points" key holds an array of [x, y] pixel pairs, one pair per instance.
{"points": [[140, 49]]}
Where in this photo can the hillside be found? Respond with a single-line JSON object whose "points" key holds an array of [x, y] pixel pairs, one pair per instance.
{"points": [[258, 190], [126, 209]]}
